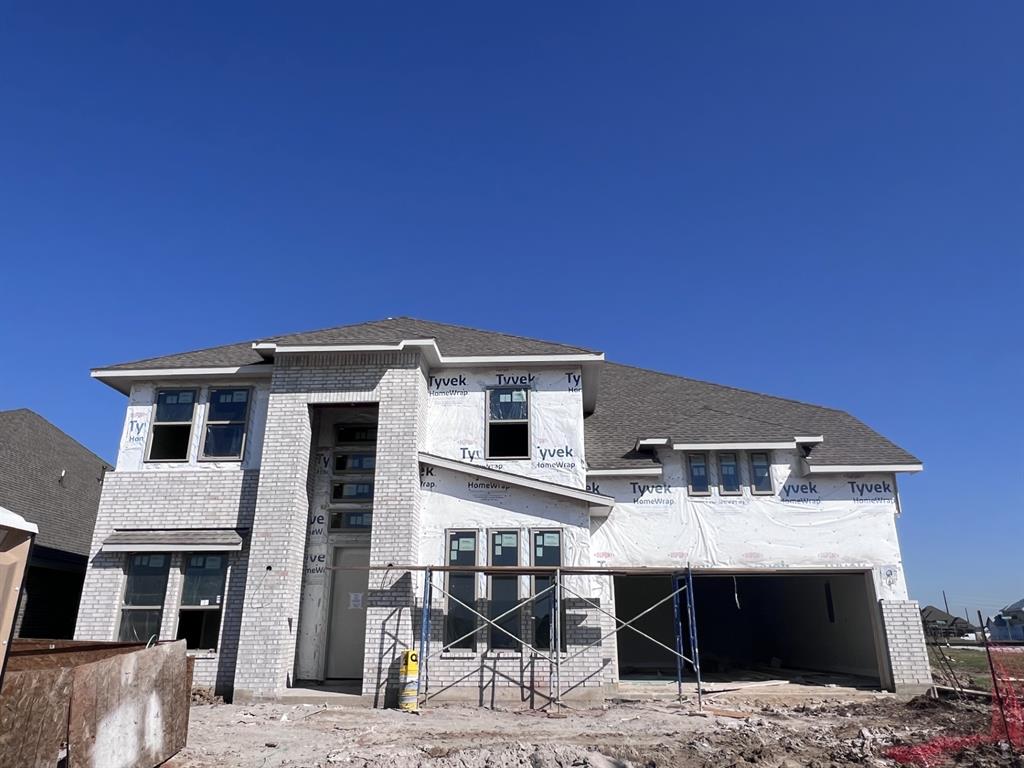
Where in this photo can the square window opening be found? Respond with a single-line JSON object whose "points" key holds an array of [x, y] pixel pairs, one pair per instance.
{"points": [[171, 433]]}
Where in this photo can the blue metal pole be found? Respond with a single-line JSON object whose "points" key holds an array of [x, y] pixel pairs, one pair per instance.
{"points": [[691, 612], [424, 634], [679, 635]]}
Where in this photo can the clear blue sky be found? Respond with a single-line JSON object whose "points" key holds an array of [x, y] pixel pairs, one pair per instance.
{"points": [[805, 199]]}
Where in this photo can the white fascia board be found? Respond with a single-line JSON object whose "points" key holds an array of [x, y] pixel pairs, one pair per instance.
{"points": [[578, 494], [823, 469], [256, 369], [651, 442], [14, 521], [810, 438], [751, 446], [121, 379], [639, 472], [434, 354], [171, 547]]}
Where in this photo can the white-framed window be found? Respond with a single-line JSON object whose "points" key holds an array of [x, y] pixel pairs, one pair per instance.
{"points": [[227, 416], [547, 551], [171, 434], [352, 469], [508, 423], [462, 586], [697, 469], [145, 588], [761, 473], [729, 475], [504, 590], [202, 600]]}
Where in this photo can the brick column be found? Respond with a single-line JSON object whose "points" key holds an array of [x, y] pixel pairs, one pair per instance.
{"points": [[904, 637], [395, 536]]}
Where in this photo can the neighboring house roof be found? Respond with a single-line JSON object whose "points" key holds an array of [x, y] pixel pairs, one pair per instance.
{"points": [[1017, 607], [932, 615], [33, 454], [632, 403]]}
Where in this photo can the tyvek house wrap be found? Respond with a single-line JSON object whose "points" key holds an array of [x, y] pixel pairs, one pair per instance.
{"points": [[819, 522], [457, 418]]}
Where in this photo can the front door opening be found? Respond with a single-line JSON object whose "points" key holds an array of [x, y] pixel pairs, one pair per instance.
{"points": [[347, 636]]}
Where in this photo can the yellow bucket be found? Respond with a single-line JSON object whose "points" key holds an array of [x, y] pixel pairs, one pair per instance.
{"points": [[409, 672]]}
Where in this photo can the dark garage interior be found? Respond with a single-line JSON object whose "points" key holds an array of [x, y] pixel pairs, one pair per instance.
{"points": [[814, 622]]}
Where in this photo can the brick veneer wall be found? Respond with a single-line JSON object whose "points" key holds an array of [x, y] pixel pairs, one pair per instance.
{"points": [[904, 637], [267, 640], [169, 499]]}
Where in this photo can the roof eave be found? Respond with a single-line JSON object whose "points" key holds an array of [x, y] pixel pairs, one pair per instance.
{"points": [[122, 379]]}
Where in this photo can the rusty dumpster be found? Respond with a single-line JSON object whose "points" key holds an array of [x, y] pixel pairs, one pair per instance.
{"points": [[79, 704]]}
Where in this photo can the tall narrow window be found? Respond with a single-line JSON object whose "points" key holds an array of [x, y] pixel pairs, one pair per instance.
{"points": [[697, 463], [144, 593], [202, 600], [760, 473], [504, 590], [226, 416], [172, 425], [729, 474], [508, 423], [547, 550], [462, 587], [355, 460]]}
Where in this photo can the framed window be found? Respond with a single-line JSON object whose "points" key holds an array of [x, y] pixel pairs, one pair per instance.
{"points": [[349, 434], [352, 518], [504, 590], [171, 433], [761, 473], [227, 413], [729, 474], [202, 600], [460, 620], [354, 461], [697, 464], [143, 605], [508, 423], [361, 490], [547, 550]]}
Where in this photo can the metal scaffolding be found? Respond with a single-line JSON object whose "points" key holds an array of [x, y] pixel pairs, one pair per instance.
{"points": [[681, 582]]}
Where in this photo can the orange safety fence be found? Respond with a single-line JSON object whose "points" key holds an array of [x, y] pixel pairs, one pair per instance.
{"points": [[1006, 721]]}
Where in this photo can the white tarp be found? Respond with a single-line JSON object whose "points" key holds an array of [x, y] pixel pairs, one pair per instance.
{"points": [[457, 417]]}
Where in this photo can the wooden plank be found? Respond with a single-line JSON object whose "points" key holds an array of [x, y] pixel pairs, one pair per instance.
{"points": [[130, 710], [34, 707]]}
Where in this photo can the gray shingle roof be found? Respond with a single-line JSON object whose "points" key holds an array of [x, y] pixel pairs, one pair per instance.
{"points": [[33, 453], [634, 403], [453, 340]]}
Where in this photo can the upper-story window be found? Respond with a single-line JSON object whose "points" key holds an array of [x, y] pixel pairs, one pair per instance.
{"points": [[508, 423], [700, 484], [226, 417], [761, 472], [729, 474], [172, 425]]}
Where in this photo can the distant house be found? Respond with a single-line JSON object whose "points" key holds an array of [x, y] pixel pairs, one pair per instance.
{"points": [[939, 625], [1008, 626], [53, 481]]}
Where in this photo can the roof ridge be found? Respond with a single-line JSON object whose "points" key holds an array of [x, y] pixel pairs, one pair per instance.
{"points": [[729, 387]]}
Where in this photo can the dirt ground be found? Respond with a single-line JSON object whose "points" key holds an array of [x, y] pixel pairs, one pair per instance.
{"points": [[819, 733]]}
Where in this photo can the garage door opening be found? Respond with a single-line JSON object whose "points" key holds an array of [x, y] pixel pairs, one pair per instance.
{"points": [[759, 623]]}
